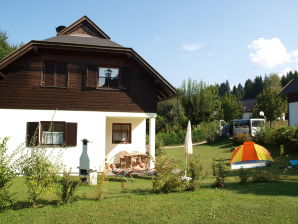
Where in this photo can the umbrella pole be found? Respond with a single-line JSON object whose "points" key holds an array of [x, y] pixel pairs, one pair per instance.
{"points": [[185, 164]]}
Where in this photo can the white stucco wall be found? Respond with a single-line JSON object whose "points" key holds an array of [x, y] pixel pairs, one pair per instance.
{"points": [[138, 138], [91, 125], [293, 114]]}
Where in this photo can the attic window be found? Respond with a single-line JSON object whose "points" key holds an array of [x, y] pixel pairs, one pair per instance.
{"points": [[108, 77], [54, 75]]}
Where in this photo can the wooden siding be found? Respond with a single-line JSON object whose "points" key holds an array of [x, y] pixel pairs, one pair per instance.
{"points": [[21, 88]]}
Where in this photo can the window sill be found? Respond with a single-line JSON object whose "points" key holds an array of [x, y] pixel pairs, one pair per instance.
{"points": [[54, 87], [117, 143], [108, 89], [52, 146]]}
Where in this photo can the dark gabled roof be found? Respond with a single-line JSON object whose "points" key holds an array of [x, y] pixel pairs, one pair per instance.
{"points": [[291, 87], [68, 39], [248, 104]]}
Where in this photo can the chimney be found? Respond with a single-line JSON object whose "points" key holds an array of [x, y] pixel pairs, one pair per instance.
{"points": [[59, 28]]}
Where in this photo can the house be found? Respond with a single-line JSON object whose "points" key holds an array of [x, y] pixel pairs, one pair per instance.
{"points": [[291, 92], [248, 106], [81, 93]]}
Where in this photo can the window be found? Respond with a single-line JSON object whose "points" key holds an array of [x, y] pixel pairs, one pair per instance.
{"points": [[55, 75], [51, 133], [121, 133], [97, 77], [108, 77]]}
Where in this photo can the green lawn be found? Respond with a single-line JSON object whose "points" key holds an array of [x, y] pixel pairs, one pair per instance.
{"points": [[275, 202]]}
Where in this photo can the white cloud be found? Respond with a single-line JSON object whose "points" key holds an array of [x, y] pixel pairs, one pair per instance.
{"points": [[288, 69], [156, 37], [192, 47], [269, 52]]}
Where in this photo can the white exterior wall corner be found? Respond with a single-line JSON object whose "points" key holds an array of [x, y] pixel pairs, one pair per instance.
{"points": [[293, 114], [91, 125]]}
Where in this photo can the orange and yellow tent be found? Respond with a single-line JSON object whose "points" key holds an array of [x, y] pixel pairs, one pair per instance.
{"points": [[250, 153]]}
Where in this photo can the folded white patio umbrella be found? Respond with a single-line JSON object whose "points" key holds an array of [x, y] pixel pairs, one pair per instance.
{"points": [[188, 140], [188, 144]]}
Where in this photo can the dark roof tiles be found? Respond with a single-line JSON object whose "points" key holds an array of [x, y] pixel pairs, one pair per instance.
{"points": [[95, 41]]}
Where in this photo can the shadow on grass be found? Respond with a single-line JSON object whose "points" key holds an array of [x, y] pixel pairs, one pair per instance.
{"points": [[278, 188], [19, 205], [223, 143]]}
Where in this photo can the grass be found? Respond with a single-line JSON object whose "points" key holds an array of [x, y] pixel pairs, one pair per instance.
{"points": [[275, 202]]}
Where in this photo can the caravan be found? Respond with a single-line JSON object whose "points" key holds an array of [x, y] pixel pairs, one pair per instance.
{"points": [[249, 126]]}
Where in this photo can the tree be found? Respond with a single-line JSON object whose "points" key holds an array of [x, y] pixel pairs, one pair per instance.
{"points": [[231, 107], [273, 82], [271, 104], [170, 115], [5, 47], [258, 85], [200, 102], [285, 79], [224, 88], [249, 91]]}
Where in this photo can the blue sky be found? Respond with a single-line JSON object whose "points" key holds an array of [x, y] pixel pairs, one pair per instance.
{"points": [[204, 40]]}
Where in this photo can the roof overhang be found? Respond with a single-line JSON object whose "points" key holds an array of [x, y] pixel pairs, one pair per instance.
{"points": [[165, 89]]}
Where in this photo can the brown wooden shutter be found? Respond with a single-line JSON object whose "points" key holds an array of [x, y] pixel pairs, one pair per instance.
{"points": [[71, 134], [91, 76], [123, 78], [32, 133]]}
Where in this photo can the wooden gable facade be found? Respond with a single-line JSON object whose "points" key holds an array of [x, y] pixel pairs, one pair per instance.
{"points": [[63, 73]]}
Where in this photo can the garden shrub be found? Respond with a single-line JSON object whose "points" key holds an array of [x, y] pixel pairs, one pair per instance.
{"points": [[243, 176], [160, 152], [67, 185], [167, 178], [195, 171], [238, 139], [286, 136], [219, 172], [211, 131], [100, 185], [40, 168], [178, 137], [265, 175], [6, 174]]}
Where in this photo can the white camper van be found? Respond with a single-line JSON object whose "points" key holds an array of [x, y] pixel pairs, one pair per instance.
{"points": [[249, 126]]}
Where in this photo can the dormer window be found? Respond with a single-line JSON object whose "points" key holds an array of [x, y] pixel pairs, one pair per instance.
{"points": [[108, 77], [54, 75]]}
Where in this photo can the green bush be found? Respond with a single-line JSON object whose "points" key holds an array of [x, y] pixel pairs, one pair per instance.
{"points": [[167, 178], [40, 168], [178, 137], [286, 136], [219, 172], [67, 185], [243, 176], [195, 171], [211, 131], [265, 175], [100, 186], [6, 174], [238, 139]]}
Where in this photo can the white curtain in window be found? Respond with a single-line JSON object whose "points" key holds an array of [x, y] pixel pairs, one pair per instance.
{"points": [[52, 138]]}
